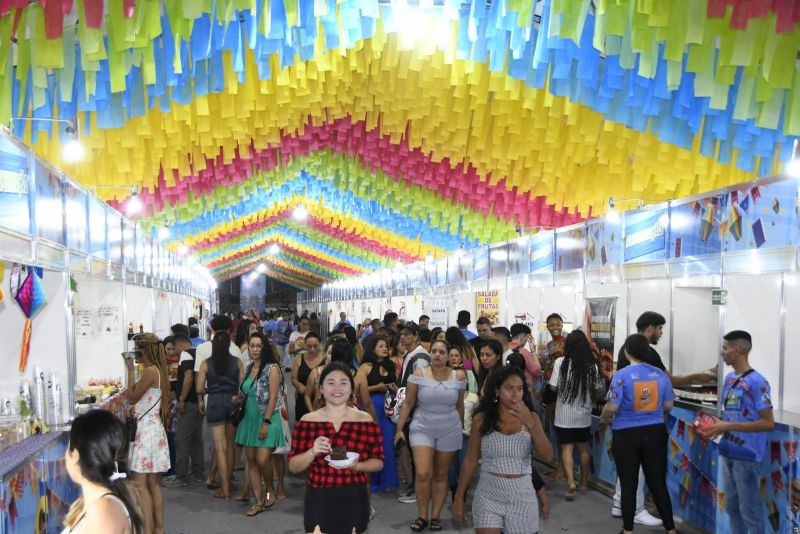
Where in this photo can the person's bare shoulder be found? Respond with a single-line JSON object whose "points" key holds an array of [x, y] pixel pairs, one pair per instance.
{"points": [[359, 416], [105, 515], [314, 417]]}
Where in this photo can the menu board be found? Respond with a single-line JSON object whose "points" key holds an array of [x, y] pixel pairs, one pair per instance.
{"points": [[15, 209], [49, 204]]}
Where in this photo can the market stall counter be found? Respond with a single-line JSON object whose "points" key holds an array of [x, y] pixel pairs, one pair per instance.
{"points": [[693, 471], [35, 489]]}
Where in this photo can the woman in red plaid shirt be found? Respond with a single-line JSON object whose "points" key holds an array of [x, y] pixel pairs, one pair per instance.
{"points": [[337, 499]]}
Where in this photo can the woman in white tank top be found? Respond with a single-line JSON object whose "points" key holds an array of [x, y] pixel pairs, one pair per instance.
{"points": [[97, 442]]}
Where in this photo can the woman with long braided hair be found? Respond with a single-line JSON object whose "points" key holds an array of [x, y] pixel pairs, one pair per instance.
{"points": [[574, 377], [149, 398]]}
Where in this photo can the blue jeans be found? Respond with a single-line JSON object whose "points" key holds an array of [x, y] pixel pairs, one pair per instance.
{"points": [[741, 479]]}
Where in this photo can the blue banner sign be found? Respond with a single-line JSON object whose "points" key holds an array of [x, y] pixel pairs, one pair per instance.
{"points": [[646, 235]]}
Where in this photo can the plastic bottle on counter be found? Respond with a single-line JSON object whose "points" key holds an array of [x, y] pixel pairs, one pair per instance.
{"points": [[25, 401], [39, 393], [54, 400]]}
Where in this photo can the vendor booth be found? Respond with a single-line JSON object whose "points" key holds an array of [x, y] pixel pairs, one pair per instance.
{"points": [[78, 280], [710, 264]]}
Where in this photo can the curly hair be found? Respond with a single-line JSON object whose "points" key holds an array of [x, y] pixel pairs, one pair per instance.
{"points": [[490, 404], [578, 369]]}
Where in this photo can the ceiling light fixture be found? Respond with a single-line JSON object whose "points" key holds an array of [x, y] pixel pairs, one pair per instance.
{"points": [[134, 204], [300, 213]]}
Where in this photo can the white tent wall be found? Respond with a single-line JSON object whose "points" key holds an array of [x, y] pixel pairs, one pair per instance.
{"points": [[791, 298], [754, 304], [140, 304], [48, 330], [164, 314], [98, 349], [694, 317]]}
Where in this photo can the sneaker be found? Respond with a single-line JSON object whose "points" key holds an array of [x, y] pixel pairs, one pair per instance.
{"points": [[403, 490], [173, 482], [168, 478], [371, 513], [645, 518], [616, 511], [409, 497]]}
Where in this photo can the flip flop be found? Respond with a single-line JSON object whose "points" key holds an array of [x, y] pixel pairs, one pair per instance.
{"points": [[570, 495], [213, 485], [254, 510], [242, 498], [219, 495]]}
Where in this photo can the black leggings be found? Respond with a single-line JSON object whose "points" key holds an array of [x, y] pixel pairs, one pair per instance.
{"points": [[645, 447]]}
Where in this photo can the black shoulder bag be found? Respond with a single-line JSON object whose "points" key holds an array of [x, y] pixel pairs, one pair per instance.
{"points": [[132, 422], [237, 414]]}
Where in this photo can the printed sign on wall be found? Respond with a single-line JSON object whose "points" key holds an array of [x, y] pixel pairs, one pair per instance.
{"points": [[487, 304]]}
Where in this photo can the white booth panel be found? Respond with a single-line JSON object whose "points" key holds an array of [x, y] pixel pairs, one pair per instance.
{"points": [[163, 317], [100, 336], [562, 300], [696, 324], [140, 307], [754, 305], [651, 295], [619, 290], [791, 393], [523, 306], [413, 307], [465, 300], [175, 304]]}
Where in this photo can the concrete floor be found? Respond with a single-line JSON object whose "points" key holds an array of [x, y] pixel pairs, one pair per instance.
{"points": [[192, 510]]}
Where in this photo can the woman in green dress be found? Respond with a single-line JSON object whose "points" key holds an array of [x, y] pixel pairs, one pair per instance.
{"points": [[261, 431]]}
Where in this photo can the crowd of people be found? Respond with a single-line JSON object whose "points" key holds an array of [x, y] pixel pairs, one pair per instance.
{"points": [[390, 405]]}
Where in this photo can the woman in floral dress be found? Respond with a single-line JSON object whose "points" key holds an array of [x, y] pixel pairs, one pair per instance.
{"points": [[149, 454]]}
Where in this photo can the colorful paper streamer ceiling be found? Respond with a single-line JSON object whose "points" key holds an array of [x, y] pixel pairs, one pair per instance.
{"points": [[405, 131]]}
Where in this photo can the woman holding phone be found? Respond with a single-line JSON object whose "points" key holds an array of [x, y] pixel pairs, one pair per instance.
{"points": [[149, 454]]}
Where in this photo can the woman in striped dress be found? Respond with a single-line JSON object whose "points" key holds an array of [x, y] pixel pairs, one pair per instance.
{"points": [[574, 376]]}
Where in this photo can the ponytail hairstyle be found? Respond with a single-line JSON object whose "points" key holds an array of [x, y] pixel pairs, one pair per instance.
{"points": [[221, 351], [102, 444], [153, 351]]}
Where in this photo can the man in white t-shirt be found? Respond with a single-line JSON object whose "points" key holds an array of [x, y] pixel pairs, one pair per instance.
{"points": [[220, 323], [297, 339], [417, 357]]}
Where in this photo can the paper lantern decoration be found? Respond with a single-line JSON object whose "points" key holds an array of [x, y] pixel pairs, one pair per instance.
{"points": [[31, 298]]}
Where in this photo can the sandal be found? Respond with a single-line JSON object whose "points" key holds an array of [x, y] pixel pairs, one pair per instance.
{"points": [[213, 485], [436, 524], [269, 500], [243, 498], [419, 524], [255, 510], [220, 495], [570, 495]]}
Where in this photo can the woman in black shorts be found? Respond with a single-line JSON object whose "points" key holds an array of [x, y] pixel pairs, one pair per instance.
{"points": [[337, 498], [574, 376]]}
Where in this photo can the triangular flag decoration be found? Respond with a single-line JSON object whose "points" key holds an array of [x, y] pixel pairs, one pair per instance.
{"points": [[708, 222], [736, 223]]}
